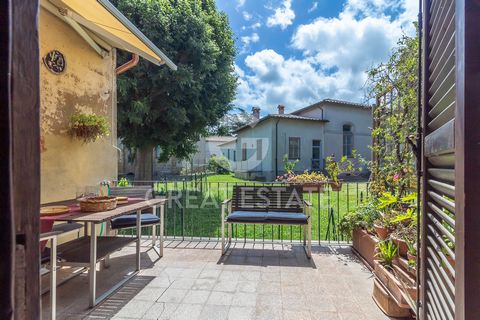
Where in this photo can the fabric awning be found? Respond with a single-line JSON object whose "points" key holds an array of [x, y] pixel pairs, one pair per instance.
{"points": [[109, 24]]}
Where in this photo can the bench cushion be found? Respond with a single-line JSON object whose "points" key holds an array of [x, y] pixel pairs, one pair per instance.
{"points": [[270, 217], [130, 220], [67, 227], [247, 217], [274, 217]]}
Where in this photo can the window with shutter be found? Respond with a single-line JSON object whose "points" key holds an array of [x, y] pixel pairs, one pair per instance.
{"points": [[438, 196]]}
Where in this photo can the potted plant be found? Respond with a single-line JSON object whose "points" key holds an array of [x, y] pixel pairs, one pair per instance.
{"points": [[394, 288], [412, 251], [358, 224], [123, 182], [383, 227], [88, 127], [333, 170], [402, 235], [289, 166], [387, 252], [310, 181], [393, 214], [346, 165]]}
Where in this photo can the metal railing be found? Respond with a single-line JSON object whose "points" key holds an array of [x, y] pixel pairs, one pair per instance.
{"points": [[193, 211]]}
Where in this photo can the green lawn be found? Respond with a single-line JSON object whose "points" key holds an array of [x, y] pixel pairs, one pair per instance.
{"points": [[224, 178], [193, 210]]}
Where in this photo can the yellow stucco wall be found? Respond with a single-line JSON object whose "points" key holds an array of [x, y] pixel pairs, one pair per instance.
{"points": [[88, 86]]}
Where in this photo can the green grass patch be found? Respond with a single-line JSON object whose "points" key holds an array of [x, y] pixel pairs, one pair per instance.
{"points": [[224, 178]]}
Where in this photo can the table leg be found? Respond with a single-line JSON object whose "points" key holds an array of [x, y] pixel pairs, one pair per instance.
{"points": [[106, 262], [154, 228], [162, 224], [92, 272], [139, 234], [53, 278]]}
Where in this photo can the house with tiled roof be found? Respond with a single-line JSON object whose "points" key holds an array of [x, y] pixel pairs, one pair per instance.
{"points": [[309, 134]]}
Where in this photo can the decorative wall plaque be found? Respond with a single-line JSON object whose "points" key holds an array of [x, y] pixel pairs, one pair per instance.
{"points": [[54, 61]]}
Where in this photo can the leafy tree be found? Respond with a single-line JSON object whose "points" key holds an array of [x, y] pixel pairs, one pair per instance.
{"points": [[394, 85], [219, 164], [172, 109], [231, 121]]}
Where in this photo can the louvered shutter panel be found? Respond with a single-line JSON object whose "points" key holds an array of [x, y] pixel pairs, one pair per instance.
{"points": [[438, 214]]}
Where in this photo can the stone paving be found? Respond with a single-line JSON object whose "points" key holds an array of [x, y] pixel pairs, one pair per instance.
{"points": [[258, 281]]}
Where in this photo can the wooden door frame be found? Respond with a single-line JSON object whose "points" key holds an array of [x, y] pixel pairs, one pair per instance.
{"points": [[20, 160], [467, 160]]}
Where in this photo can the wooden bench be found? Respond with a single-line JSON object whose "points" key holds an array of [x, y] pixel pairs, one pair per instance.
{"points": [[267, 205]]}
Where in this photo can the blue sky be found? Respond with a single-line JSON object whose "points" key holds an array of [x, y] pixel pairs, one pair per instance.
{"points": [[297, 52]]}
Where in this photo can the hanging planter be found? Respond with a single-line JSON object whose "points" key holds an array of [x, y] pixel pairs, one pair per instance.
{"points": [[88, 127]]}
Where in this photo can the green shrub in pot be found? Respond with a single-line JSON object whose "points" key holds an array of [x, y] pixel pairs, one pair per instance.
{"points": [[386, 253], [363, 217]]}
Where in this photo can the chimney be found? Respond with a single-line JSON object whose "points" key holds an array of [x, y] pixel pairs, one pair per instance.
{"points": [[281, 109], [256, 112]]}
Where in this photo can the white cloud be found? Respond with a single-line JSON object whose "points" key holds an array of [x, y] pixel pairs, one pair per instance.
{"points": [[273, 80], [336, 52], [313, 7], [283, 16], [256, 25], [240, 3], [247, 16], [239, 71], [254, 37]]}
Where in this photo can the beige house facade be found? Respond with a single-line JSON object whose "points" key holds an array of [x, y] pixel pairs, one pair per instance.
{"points": [[83, 38]]}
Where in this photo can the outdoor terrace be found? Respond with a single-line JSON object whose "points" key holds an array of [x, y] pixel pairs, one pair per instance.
{"points": [[253, 281]]}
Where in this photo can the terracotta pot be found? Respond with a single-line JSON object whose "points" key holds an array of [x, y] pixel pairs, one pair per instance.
{"points": [[411, 257], [365, 244], [387, 303], [403, 264], [402, 246], [408, 283], [317, 187], [336, 186], [394, 286], [381, 232]]}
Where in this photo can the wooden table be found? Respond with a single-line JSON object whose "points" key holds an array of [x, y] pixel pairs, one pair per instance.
{"points": [[87, 251]]}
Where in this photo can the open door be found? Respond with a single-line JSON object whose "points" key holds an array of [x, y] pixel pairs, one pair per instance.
{"points": [[20, 160], [450, 246]]}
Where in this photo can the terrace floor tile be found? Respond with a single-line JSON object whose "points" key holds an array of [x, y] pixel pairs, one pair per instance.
{"points": [[193, 281]]}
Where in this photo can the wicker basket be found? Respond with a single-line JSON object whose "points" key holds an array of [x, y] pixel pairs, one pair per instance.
{"points": [[96, 204]]}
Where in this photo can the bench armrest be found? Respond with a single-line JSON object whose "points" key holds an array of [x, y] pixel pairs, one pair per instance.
{"points": [[226, 204]]}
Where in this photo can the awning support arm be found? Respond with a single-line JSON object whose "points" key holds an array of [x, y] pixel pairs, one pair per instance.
{"points": [[62, 14], [74, 24]]}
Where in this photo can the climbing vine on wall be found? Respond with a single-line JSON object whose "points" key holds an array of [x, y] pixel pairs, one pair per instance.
{"points": [[394, 87]]}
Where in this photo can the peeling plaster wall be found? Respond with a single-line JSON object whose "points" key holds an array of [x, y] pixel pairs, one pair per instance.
{"points": [[87, 85]]}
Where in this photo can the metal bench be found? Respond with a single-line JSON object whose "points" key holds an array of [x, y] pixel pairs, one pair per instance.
{"points": [[267, 205]]}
